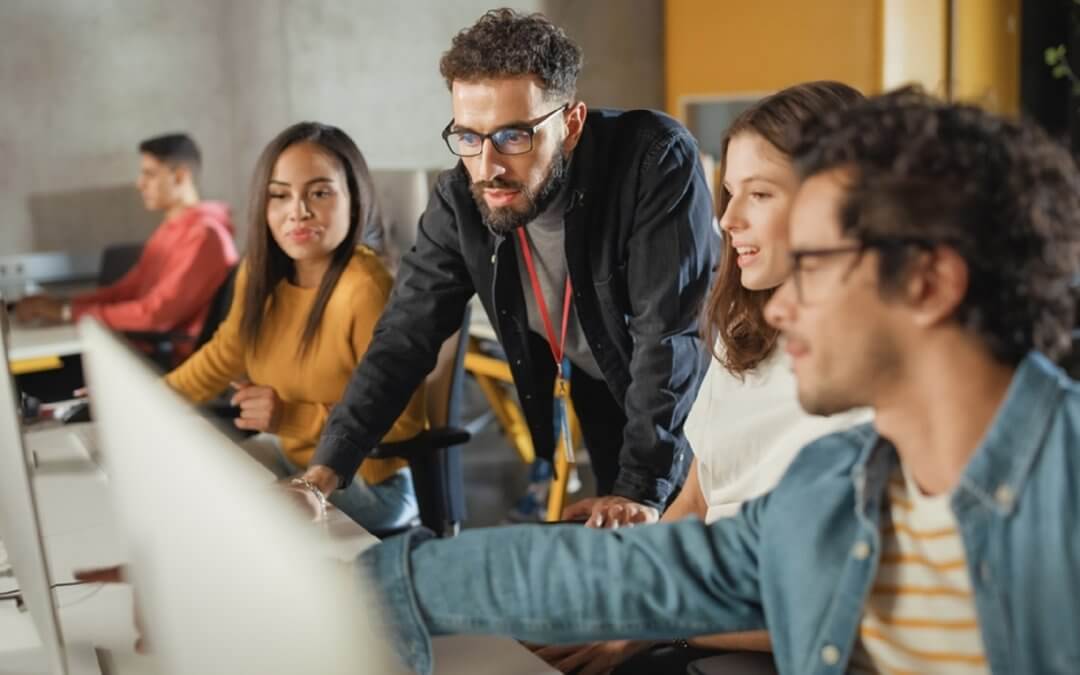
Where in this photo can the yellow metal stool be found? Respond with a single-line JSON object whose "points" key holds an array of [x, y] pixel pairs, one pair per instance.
{"points": [[491, 374], [563, 467]]}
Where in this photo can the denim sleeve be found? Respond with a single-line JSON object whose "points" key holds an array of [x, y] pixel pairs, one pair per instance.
{"points": [[565, 584]]}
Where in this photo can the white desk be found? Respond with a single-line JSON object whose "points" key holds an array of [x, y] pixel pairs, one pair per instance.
{"points": [[80, 532], [40, 342]]}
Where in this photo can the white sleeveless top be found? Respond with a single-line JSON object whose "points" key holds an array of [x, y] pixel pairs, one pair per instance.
{"points": [[745, 433]]}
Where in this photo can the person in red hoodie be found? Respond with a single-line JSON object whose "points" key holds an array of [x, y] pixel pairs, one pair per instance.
{"points": [[185, 260]]}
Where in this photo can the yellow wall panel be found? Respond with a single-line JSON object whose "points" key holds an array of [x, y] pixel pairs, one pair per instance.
{"points": [[739, 46], [986, 53]]}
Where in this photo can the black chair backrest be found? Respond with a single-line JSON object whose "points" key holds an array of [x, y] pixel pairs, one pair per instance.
{"points": [[438, 475], [220, 304], [455, 473], [116, 261]]}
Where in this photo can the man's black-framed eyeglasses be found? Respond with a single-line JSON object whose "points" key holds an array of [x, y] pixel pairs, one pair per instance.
{"points": [[509, 140], [800, 256]]}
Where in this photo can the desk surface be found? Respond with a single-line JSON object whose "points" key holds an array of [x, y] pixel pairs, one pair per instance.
{"points": [[80, 532], [38, 342]]}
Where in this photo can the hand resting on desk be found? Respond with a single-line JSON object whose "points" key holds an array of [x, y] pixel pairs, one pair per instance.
{"points": [[611, 512], [39, 308], [590, 659]]}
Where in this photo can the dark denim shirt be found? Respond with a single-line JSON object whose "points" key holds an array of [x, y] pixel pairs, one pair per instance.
{"points": [[799, 561]]}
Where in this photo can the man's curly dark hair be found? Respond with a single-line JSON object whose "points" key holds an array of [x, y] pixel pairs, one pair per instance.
{"points": [[505, 43], [1000, 193]]}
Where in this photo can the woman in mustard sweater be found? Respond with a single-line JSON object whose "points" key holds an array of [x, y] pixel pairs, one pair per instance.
{"points": [[306, 302]]}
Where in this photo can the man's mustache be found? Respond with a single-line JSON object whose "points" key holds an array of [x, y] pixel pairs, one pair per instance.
{"points": [[496, 184]]}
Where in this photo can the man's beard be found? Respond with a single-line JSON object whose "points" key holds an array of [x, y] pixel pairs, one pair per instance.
{"points": [[506, 219]]}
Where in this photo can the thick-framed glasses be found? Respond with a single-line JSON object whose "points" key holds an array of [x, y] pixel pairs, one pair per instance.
{"points": [[511, 140], [806, 288]]}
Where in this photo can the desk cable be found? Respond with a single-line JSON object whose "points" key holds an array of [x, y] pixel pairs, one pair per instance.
{"points": [[16, 594]]}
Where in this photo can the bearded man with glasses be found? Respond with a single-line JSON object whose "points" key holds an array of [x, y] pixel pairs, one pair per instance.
{"points": [[586, 235]]}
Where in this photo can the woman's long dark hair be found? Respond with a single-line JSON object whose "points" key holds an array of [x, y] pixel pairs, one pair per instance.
{"points": [[268, 265], [734, 315]]}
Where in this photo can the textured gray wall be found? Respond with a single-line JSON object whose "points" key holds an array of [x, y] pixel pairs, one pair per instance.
{"points": [[85, 80]]}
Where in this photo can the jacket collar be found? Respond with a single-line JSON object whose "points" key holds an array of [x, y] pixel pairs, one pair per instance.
{"points": [[582, 168], [997, 471]]}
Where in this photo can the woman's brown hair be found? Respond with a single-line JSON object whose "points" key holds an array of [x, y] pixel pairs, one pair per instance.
{"points": [[268, 265], [734, 316]]}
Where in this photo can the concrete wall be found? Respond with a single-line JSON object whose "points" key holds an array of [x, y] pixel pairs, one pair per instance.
{"points": [[84, 81]]}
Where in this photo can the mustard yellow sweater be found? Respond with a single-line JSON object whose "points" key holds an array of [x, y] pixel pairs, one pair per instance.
{"points": [[309, 387]]}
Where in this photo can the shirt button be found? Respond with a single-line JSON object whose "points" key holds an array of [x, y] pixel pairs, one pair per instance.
{"points": [[861, 550], [1004, 496], [830, 655], [492, 258]]}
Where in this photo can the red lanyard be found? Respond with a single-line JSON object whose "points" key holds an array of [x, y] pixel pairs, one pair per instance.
{"points": [[562, 366], [559, 350]]}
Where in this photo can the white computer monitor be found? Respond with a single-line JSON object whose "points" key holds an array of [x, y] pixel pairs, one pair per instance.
{"points": [[20, 532], [232, 577]]}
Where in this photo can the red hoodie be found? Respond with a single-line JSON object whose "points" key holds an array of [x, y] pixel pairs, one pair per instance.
{"points": [[170, 287]]}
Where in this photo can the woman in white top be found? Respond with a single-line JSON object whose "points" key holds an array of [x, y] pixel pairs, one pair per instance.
{"points": [[746, 425]]}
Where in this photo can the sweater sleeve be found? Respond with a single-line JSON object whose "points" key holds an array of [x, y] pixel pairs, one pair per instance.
{"points": [[208, 371], [196, 267], [302, 419]]}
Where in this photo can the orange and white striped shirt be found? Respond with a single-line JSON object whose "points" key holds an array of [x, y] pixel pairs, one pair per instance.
{"points": [[920, 616]]}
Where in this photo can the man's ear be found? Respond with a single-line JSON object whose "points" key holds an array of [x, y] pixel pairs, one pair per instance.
{"points": [[575, 124], [937, 282], [182, 174]]}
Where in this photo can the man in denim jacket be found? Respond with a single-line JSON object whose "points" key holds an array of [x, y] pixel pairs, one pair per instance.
{"points": [[934, 247]]}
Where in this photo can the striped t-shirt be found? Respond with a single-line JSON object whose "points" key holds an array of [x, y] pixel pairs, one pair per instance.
{"points": [[920, 616]]}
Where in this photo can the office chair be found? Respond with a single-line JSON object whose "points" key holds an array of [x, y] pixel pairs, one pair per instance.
{"points": [[434, 455], [163, 346], [116, 261]]}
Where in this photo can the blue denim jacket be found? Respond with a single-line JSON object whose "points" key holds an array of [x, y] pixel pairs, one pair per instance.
{"points": [[799, 560]]}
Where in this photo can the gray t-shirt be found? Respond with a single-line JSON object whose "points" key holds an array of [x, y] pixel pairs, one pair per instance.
{"points": [[547, 234]]}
